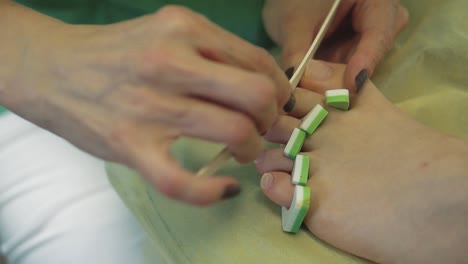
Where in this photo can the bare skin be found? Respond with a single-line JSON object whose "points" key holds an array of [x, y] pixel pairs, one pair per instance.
{"points": [[383, 187], [361, 34], [125, 92]]}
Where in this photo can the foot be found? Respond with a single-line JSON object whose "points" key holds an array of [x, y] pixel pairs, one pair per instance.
{"points": [[375, 175]]}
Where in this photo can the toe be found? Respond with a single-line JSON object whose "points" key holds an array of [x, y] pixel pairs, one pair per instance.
{"points": [[321, 76], [278, 188], [282, 129], [305, 101], [274, 160]]}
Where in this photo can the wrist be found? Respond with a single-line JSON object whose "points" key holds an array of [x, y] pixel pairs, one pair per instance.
{"points": [[23, 33]]}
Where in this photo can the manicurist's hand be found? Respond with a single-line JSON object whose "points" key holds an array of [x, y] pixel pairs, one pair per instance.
{"points": [[362, 33], [125, 92]]}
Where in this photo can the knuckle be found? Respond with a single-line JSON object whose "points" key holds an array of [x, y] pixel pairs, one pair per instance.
{"points": [[173, 11], [240, 132], [177, 19], [264, 60]]}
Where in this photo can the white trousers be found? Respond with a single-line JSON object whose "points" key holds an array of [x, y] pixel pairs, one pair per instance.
{"points": [[56, 203]]}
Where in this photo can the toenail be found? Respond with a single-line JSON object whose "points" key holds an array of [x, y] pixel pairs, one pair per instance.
{"points": [[318, 70], [289, 72], [266, 181], [289, 106], [361, 78]]}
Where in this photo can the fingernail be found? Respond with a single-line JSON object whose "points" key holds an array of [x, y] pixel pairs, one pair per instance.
{"points": [[289, 72], [231, 191], [267, 181], [289, 106], [361, 79]]}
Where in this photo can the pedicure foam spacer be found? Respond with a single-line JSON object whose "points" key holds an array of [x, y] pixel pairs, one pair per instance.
{"points": [[292, 218], [294, 145], [338, 98], [313, 119], [300, 172]]}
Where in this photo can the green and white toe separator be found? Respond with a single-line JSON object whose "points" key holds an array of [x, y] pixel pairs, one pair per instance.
{"points": [[313, 119], [300, 172], [295, 143], [293, 217], [338, 98]]}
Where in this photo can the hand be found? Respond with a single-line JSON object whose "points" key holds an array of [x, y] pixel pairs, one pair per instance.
{"points": [[361, 34], [125, 92]]}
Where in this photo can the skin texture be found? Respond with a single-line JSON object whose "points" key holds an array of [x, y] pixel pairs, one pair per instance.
{"points": [[362, 33], [125, 92], [383, 187]]}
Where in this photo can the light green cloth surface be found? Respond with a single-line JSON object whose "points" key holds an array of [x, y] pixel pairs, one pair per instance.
{"points": [[425, 76]]}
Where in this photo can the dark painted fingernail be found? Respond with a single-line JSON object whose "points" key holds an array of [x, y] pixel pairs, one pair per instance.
{"points": [[231, 191], [289, 106], [361, 79], [289, 72]]}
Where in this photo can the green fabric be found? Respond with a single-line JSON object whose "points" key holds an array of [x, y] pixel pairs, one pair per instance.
{"points": [[242, 18]]}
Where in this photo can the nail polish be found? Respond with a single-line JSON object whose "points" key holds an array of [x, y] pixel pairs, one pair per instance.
{"points": [[289, 72], [231, 191], [289, 106], [361, 79]]}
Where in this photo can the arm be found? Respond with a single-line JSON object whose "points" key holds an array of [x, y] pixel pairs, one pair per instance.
{"points": [[19, 29]]}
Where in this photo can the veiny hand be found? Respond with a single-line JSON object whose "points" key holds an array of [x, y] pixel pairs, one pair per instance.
{"points": [[125, 92], [362, 33]]}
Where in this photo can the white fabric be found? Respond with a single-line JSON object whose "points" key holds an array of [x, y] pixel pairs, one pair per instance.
{"points": [[56, 204]]}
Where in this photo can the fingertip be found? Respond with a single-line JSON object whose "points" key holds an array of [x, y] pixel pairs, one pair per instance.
{"points": [[277, 187], [231, 191], [207, 191], [247, 151], [175, 182]]}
